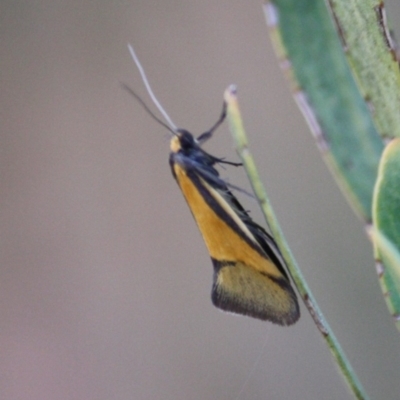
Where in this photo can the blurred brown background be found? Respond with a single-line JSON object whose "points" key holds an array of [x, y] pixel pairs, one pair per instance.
{"points": [[104, 279]]}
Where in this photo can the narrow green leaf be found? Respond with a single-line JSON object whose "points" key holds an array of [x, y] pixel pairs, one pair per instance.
{"points": [[390, 256], [372, 56], [386, 220], [386, 211], [311, 55]]}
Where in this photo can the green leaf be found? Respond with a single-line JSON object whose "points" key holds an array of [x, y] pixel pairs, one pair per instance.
{"points": [[386, 210], [372, 55], [311, 55], [386, 221], [390, 255]]}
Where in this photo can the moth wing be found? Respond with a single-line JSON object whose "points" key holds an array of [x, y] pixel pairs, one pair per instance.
{"points": [[241, 289]]}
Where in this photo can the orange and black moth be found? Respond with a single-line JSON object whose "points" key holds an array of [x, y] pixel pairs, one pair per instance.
{"points": [[249, 275]]}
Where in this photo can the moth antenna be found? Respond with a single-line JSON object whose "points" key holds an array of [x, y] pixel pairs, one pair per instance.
{"points": [[146, 108], [150, 91]]}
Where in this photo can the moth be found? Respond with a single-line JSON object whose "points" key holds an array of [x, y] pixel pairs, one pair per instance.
{"points": [[249, 271]]}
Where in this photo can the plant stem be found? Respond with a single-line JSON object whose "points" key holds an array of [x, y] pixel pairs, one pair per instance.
{"points": [[240, 138]]}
